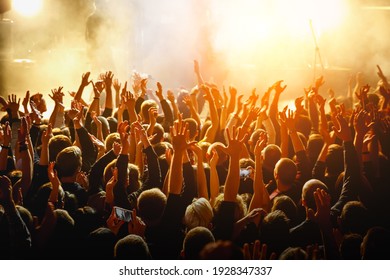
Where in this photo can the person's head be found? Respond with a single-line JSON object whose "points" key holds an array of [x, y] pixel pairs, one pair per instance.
{"points": [[314, 146], [285, 204], [285, 171], [254, 138], [194, 242], [151, 205], [105, 127], [146, 105], [110, 139], [308, 190], [181, 105], [86, 220], [161, 147], [221, 250], [376, 244], [57, 144], [239, 210], [113, 124], [354, 218], [275, 232], [303, 125], [69, 162], [158, 134], [192, 127], [61, 131], [133, 178], [198, 213], [272, 154], [293, 253], [100, 244], [335, 160], [350, 246], [132, 247]]}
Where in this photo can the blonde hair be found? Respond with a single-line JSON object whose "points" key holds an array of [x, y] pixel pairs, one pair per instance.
{"points": [[198, 213]]}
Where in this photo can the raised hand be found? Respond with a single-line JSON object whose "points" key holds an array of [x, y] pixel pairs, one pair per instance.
{"points": [[159, 91], [13, 105], [196, 67], [278, 87], [46, 135], [180, 135], [342, 131], [171, 96], [57, 96], [113, 223], [123, 130], [85, 79], [107, 78], [116, 85], [23, 131], [235, 145], [25, 101], [290, 120], [7, 134], [322, 215], [136, 225], [260, 144], [53, 177], [362, 122]]}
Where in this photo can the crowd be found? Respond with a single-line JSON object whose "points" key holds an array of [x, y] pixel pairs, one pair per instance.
{"points": [[136, 174]]}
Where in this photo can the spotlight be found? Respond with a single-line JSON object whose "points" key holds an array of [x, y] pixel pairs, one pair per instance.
{"points": [[27, 8]]}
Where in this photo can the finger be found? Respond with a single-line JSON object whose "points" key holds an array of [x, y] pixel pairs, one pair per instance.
{"points": [[256, 250]]}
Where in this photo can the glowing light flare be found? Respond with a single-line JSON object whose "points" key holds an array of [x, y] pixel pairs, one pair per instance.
{"points": [[27, 8]]}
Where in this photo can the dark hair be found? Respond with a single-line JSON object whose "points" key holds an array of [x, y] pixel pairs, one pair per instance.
{"points": [[132, 247], [57, 144], [68, 161], [195, 240], [308, 192], [285, 204], [376, 244], [222, 250], [354, 218]]}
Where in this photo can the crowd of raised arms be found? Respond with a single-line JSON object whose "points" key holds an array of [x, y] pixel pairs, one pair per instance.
{"points": [[205, 173]]}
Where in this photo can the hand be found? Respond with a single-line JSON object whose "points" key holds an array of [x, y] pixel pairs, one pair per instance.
{"points": [[298, 103], [255, 216], [123, 130], [239, 104], [322, 215], [319, 82], [110, 186], [259, 252], [129, 100], [197, 151], [343, 131], [98, 144], [232, 91], [136, 225], [171, 96], [26, 99], [380, 74], [116, 85], [23, 131], [84, 79], [97, 88], [7, 134], [95, 119], [260, 144], [253, 113], [152, 115], [53, 177], [107, 78], [278, 87], [159, 91], [214, 158], [13, 105], [362, 123], [187, 100], [144, 88], [331, 93], [46, 135], [57, 96], [290, 120], [116, 147], [265, 99], [113, 223], [82, 179], [320, 101], [235, 145], [180, 135], [3, 104]]}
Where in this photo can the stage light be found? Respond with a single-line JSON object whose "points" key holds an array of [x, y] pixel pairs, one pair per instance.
{"points": [[27, 8]]}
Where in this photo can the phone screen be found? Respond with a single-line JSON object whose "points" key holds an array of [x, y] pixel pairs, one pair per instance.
{"points": [[123, 214]]}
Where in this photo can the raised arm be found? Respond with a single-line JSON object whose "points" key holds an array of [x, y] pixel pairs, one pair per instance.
{"points": [[83, 84], [57, 116], [109, 102], [213, 129], [260, 197], [172, 100], [200, 173], [273, 110]]}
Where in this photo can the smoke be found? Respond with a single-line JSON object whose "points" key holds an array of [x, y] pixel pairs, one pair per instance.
{"points": [[246, 43]]}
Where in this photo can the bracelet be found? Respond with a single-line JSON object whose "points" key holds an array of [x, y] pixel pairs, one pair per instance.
{"points": [[5, 147]]}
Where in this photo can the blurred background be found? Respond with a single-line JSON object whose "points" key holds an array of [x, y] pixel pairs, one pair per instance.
{"points": [[247, 43]]}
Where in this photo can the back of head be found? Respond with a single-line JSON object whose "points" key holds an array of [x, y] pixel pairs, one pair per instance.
{"points": [[161, 147], [68, 162], [350, 247], [151, 205], [303, 125], [285, 204], [145, 109], [112, 124], [132, 247], [334, 160], [308, 192], [285, 171], [293, 253], [105, 127], [195, 240], [272, 154], [57, 144], [275, 232], [221, 250], [100, 244], [314, 146], [354, 218], [198, 213], [240, 207], [110, 139], [376, 244], [158, 134]]}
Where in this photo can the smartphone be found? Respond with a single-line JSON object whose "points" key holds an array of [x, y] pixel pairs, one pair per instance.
{"points": [[123, 214], [245, 172]]}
